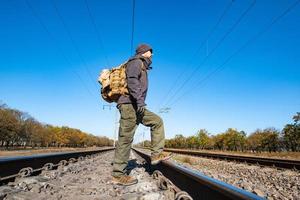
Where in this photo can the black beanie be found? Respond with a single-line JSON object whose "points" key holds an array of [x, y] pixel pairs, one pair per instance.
{"points": [[143, 48]]}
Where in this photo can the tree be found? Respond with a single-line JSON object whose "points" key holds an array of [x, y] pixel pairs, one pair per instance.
{"points": [[180, 141], [36, 130], [20, 129], [233, 140], [218, 141], [192, 142], [264, 140], [254, 141], [204, 141], [10, 126], [28, 129], [170, 143], [270, 141], [291, 134]]}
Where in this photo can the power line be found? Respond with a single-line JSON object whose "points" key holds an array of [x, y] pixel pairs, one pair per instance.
{"points": [[214, 49], [132, 26], [248, 42], [230, 30], [83, 83], [73, 42], [55, 42], [100, 41], [210, 33]]}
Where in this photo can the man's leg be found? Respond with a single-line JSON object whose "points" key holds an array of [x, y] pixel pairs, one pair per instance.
{"points": [[127, 128], [156, 124]]}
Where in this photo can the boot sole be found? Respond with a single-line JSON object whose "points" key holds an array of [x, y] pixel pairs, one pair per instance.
{"points": [[158, 161], [122, 184]]}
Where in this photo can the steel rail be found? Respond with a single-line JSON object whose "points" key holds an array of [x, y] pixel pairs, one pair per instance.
{"points": [[280, 163], [12, 167], [197, 185]]}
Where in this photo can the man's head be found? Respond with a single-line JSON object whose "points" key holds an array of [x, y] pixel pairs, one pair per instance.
{"points": [[145, 50]]}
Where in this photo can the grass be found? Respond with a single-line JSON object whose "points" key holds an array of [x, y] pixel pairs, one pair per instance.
{"points": [[281, 155]]}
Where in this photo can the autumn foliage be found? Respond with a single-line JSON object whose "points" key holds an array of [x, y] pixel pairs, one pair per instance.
{"points": [[269, 139], [18, 129]]}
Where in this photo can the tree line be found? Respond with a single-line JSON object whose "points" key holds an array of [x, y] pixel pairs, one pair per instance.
{"points": [[269, 139], [19, 129]]}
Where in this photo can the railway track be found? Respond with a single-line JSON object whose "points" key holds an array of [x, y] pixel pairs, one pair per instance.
{"points": [[90, 178], [22, 166], [196, 184], [181, 182], [280, 163]]}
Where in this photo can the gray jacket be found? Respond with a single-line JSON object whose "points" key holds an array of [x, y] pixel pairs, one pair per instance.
{"points": [[137, 81]]}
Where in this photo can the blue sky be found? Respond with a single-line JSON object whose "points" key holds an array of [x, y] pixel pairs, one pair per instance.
{"points": [[50, 70]]}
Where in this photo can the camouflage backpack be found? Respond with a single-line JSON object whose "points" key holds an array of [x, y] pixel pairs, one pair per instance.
{"points": [[113, 83]]}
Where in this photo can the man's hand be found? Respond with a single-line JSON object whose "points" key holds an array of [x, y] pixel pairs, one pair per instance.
{"points": [[141, 109]]}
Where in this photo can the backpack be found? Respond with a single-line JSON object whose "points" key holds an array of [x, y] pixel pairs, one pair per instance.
{"points": [[113, 83]]}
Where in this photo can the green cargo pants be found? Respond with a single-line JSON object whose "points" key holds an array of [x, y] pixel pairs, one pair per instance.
{"points": [[129, 121]]}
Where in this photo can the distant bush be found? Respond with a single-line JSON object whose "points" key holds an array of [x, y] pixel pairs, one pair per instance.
{"points": [[268, 139]]}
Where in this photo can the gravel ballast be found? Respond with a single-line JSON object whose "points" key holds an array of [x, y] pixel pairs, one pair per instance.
{"points": [[271, 183], [86, 180]]}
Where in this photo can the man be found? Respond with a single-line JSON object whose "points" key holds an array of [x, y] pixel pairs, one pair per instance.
{"points": [[133, 112]]}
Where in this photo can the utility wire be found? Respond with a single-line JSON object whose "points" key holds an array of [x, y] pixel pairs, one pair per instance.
{"points": [[132, 26], [34, 13], [210, 33], [74, 43], [230, 30], [248, 42], [86, 87], [99, 38]]}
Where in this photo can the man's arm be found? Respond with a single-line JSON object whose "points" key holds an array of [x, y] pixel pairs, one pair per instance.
{"points": [[133, 72]]}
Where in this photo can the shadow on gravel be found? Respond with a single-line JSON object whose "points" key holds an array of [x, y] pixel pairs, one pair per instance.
{"points": [[132, 164]]}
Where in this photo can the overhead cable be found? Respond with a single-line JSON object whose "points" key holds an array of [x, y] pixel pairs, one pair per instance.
{"points": [[132, 26], [74, 43], [57, 46], [99, 38], [247, 43], [227, 33], [210, 33]]}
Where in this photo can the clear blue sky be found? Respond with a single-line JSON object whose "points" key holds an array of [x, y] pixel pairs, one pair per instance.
{"points": [[51, 72]]}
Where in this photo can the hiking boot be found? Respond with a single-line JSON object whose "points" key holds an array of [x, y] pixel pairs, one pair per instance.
{"points": [[124, 180], [155, 159]]}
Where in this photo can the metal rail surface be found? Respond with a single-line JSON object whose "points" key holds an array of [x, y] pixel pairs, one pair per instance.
{"points": [[197, 185], [11, 167], [281, 163]]}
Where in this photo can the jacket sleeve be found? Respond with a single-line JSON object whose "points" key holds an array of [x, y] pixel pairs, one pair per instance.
{"points": [[133, 73]]}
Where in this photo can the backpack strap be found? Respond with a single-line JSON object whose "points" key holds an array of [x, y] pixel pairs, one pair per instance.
{"points": [[143, 65]]}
